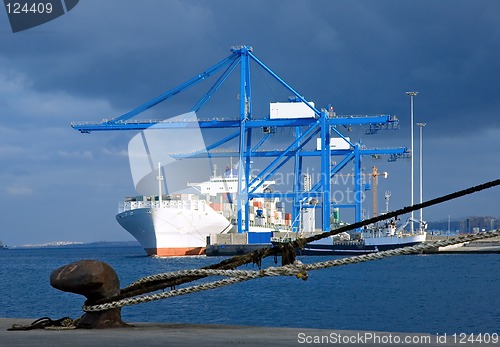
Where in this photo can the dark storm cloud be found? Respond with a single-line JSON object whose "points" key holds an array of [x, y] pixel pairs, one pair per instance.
{"points": [[112, 48], [360, 56], [104, 58]]}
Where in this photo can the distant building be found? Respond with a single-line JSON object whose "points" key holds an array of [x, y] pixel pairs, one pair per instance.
{"points": [[477, 224], [465, 225]]}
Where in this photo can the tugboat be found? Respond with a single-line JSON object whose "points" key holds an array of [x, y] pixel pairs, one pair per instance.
{"points": [[371, 239]]}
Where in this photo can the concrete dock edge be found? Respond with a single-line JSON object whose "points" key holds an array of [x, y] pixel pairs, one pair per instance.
{"points": [[206, 335]]}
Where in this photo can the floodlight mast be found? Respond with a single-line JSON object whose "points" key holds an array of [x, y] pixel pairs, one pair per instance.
{"points": [[421, 126], [411, 95]]}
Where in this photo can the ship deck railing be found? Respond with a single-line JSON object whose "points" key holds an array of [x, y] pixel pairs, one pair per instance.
{"points": [[134, 205]]}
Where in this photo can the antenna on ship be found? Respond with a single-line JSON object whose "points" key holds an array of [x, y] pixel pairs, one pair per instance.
{"points": [[159, 178], [387, 196]]}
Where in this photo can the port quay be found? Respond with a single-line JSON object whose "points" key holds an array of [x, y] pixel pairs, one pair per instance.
{"points": [[170, 334], [160, 154], [308, 123]]}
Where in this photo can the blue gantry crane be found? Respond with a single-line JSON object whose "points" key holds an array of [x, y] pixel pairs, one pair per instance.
{"points": [[312, 124]]}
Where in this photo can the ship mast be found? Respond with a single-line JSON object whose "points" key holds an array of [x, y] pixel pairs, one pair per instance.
{"points": [[159, 178]]}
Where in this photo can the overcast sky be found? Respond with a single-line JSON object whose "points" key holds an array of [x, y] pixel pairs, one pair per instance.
{"points": [[104, 58]]}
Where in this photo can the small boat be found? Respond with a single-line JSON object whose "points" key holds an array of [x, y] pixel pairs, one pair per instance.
{"points": [[371, 239]]}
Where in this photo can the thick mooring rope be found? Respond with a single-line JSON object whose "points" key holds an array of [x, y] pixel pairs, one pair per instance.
{"points": [[256, 257], [297, 269]]}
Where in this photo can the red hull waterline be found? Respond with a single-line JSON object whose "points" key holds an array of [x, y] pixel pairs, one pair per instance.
{"points": [[175, 252]]}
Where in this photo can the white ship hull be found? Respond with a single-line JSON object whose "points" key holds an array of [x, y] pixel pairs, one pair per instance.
{"points": [[395, 241], [177, 228], [179, 224]]}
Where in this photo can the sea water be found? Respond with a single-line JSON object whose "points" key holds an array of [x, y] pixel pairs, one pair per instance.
{"points": [[442, 293]]}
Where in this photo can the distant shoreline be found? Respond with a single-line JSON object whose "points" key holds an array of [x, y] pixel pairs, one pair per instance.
{"points": [[98, 244]]}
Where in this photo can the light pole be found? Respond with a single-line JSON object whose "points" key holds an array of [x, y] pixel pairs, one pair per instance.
{"points": [[421, 125], [411, 95]]}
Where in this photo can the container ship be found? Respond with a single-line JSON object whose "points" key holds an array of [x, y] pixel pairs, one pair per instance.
{"points": [[205, 223], [179, 224]]}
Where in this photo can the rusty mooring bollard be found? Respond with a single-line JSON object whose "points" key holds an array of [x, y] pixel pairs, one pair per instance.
{"points": [[95, 280]]}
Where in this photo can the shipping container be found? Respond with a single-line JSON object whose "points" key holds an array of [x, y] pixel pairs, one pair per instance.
{"points": [[335, 143], [260, 237], [280, 110], [217, 206], [257, 204]]}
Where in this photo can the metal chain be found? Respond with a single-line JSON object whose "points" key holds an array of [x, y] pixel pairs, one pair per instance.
{"points": [[297, 269]]}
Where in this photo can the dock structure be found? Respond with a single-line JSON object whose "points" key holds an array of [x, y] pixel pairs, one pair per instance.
{"points": [[208, 335], [315, 131]]}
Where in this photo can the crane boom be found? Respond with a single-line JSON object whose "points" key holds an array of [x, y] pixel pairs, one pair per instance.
{"points": [[375, 175]]}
